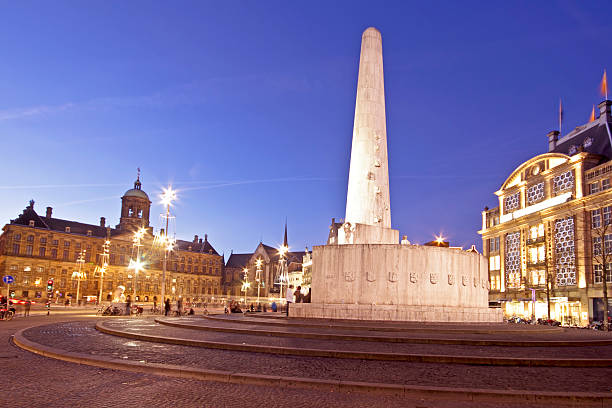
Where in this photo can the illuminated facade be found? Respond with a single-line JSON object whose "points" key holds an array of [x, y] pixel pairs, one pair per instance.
{"points": [[36, 248], [543, 241]]}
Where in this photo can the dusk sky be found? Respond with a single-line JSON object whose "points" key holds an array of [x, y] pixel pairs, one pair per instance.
{"points": [[247, 108]]}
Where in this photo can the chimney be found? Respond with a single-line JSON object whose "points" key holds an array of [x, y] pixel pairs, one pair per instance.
{"points": [[102, 222], [195, 239], [553, 136], [49, 212], [205, 237], [200, 240], [604, 110]]}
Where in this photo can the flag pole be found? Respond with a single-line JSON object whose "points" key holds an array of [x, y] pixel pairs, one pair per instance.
{"points": [[560, 116]]}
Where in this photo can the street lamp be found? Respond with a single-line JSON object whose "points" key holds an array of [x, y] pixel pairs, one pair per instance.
{"points": [[283, 277], [80, 274], [258, 270], [103, 267], [245, 285], [137, 265], [167, 196]]}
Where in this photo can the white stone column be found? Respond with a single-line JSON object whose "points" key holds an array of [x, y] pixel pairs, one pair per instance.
{"points": [[368, 199]]}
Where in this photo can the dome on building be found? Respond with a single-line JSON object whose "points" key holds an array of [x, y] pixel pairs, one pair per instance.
{"points": [[134, 192]]}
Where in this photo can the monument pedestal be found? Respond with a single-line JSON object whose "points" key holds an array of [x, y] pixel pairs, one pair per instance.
{"points": [[398, 282]]}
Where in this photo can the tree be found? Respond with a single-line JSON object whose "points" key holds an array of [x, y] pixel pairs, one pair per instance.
{"points": [[601, 226]]}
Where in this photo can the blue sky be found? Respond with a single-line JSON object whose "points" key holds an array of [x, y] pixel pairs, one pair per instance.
{"points": [[247, 107]]}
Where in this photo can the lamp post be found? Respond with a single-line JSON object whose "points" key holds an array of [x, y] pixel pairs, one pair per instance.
{"points": [[167, 197], [245, 285], [283, 277], [258, 270], [104, 265], [79, 274], [137, 264]]}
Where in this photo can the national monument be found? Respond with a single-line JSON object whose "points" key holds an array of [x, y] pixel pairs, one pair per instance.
{"points": [[364, 272]]}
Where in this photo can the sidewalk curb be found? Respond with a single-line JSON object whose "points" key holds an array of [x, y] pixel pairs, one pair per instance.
{"points": [[466, 394], [220, 317], [382, 339], [363, 355]]}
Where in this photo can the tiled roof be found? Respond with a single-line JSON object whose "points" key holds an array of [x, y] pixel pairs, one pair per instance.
{"points": [[202, 247], [238, 260], [593, 139], [56, 224]]}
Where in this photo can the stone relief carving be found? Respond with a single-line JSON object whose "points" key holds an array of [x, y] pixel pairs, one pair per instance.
{"points": [[483, 282], [451, 279], [370, 276], [413, 277], [348, 232], [475, 282], [349, 276], [433, 278], [392, 276], [464, 280]]}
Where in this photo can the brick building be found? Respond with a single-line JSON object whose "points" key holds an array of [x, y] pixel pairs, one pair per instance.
{"points": [[35, 248], [550, 236]]}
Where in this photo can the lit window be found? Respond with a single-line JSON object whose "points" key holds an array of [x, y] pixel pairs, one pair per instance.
{"points": [[596, 218], [605, 184], [31, 223], [89, 233], [67, 229]]}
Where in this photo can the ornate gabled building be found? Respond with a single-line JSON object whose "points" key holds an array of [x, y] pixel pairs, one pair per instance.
{"points": [[544, 240], [35, 248], [271, 267]]}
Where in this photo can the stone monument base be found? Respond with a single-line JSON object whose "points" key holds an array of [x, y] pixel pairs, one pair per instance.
{"points": [[396, 313]]}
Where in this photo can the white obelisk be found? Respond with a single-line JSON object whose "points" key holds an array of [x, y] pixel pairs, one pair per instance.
{"points": [[368, 200]]}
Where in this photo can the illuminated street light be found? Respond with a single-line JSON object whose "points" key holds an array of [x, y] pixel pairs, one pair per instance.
{"points": [[80, 274], [258, 270], [137, 264], [245, 285], [167, 196]]}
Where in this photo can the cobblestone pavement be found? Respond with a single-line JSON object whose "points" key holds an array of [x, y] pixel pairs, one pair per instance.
{"points": [[146, 326], [82, 337], [35, 381]]}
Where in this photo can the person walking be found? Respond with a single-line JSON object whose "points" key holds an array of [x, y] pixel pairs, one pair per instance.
{"points": [[289, 297], [26, 311], [167, 306]]}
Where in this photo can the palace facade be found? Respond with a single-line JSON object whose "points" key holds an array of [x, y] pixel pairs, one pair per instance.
{"points": [[550, 239], [35, 248]]}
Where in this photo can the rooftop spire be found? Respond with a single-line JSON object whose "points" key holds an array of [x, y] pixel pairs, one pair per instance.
{"points": [[285, 244], [137, 183]]}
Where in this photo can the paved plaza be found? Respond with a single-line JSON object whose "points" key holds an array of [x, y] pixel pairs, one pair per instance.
{"points": [[272, 361]]}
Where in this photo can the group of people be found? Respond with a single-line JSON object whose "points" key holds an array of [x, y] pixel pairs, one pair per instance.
{"points": [[296, 296], [179, 308]]}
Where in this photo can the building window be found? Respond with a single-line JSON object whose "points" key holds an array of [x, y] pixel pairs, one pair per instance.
{"points": [[594, 187], [565, 254], [535, 193], [30, 238], [55, 242], [513, 259], [596, 218], [15, 249], [43, 241], [563, 182], [31, 223], [494, 244], [54, 253], [511, 202], [598, 273], [17, 237], [13, 267], [42, 251], [66, 243], [607, 215], [494, 263], [66, 255], [89, 233], [29, 250], [40, 269], [67, 229], [605, 184]]}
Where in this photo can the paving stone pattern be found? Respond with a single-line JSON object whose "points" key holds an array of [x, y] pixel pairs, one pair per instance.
{"points": [[82, 337]]}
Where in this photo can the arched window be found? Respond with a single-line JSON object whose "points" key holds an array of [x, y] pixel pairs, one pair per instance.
{"points": [[139, 213], [130, 212]]}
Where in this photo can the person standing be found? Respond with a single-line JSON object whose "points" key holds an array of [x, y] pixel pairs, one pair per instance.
{"points": [[179, 306], [26, 311], [298, 295], [289, 297], [167, 306]]}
